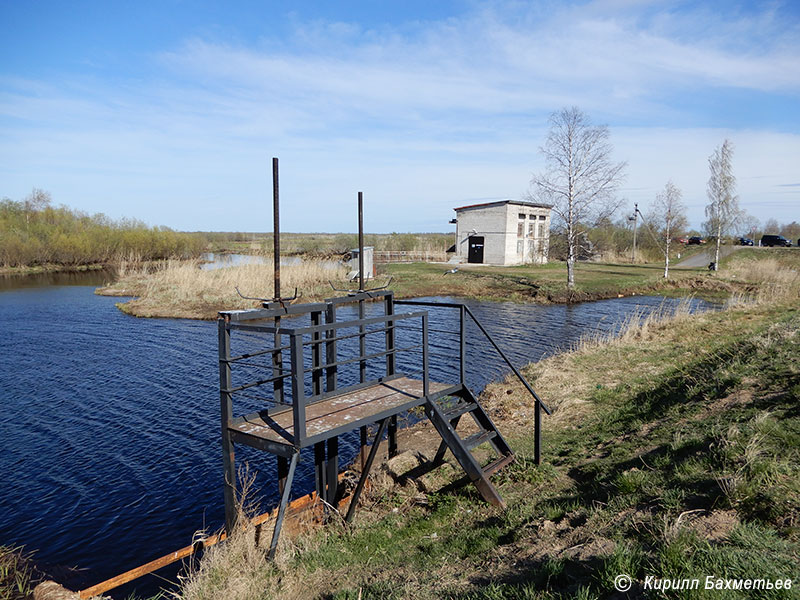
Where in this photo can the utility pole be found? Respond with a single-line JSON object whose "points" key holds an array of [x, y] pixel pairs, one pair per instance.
{"points": [[635, 221]]}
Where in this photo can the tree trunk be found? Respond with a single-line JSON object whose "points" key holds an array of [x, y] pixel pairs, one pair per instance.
{"points": [[571, 241], [571, 272], [719, 239]]}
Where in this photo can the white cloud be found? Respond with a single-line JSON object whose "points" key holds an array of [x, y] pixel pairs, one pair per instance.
{"points": [[420, 116]]}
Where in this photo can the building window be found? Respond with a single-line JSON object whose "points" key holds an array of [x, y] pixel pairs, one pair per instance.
{"points": [[521, 229], [542, 217], [521, 215], [541, 229], [531, 229], [520, 246]]}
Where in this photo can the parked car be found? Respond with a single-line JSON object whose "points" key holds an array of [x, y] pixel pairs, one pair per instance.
{"points": [[743, 241], [696, 239], [683, 240], [774, 240]]}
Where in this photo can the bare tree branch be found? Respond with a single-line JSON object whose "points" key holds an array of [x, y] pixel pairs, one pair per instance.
{"points": [[723, 208], [580, 180]]}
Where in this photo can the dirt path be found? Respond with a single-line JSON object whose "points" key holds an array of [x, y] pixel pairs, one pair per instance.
{"points": [[703, 258]]}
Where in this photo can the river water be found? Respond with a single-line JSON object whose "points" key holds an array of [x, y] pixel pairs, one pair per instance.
{"points": [[110, 424]]}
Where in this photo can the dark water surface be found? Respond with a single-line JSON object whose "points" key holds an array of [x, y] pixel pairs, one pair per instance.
{"points": [[110, 424]]}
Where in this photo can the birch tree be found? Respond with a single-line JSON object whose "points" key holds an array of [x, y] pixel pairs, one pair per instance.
{"points": [[580, 179], [670, 213], [723, 208]]}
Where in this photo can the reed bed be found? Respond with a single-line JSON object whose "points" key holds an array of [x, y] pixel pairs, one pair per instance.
{"points": [[182, 289]]}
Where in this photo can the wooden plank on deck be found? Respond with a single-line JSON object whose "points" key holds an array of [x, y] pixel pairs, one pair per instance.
{"points": [[342, 410]]}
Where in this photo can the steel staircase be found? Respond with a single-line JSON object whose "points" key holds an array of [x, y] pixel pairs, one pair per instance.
{"points": [[445, 414]]}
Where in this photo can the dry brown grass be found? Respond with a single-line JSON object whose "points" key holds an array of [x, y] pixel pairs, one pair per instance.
{"points": [[773, 280], [181, 289], [565, 381]]}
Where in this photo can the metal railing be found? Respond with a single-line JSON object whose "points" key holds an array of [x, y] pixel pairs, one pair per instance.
{"points": [[316, 338], [464, 311]]}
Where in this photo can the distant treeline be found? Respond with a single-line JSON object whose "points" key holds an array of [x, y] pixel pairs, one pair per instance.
{"points": [[34, 232], [326, 244]]}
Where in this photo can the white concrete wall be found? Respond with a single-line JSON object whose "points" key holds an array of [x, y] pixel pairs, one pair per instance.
{"points": [[499, 227], [489, 222]]}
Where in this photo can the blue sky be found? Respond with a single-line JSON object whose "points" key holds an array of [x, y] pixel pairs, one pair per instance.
{"points": [[171, 111]]}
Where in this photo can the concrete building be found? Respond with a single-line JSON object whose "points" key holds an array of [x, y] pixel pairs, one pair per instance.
{"points": [[508, 232]]}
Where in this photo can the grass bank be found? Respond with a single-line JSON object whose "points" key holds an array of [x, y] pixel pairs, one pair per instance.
{"points": [[673, 452], [547, 283]]}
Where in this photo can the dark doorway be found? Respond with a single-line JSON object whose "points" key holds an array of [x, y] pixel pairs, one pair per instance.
{"points": [[475, 249]]}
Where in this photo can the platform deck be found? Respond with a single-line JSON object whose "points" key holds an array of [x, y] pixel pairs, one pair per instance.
{"points": [[327, 418]]}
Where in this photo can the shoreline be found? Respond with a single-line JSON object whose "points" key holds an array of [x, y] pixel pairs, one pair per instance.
{"points": [[151, 298], [52, 268]]}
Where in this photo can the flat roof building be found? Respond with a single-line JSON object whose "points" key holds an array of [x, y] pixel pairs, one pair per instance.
{"points": [[506, 232]]}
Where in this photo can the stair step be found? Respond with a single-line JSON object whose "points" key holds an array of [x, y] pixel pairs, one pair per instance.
{"points": [[479, 438], [495, 466], [460, 409]]}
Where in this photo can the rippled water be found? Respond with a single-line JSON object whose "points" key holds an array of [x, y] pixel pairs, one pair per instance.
{"points": [[110, 424], [222, 261]]}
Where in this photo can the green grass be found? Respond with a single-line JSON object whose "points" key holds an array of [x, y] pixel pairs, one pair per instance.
{"points": [[545, 282], [16, 574]]}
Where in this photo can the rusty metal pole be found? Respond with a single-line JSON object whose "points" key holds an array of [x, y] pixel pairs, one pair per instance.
{"points": [[276, 235], [277, 356], [361, 341], [360, 242]]}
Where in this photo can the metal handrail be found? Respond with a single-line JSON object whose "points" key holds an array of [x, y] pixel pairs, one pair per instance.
{"points": [[464, 310], [508, 362], [488, 336]]}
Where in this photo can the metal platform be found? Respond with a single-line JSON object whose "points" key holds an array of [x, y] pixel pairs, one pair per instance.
{"points": [[339, 413], [292, 358]]}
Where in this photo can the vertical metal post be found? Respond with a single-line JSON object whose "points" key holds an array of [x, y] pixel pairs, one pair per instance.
{"points": [[333, 470], [330, 350], [320, 470], [226, 416], [362, 453], [316, 355], [462, 343], [360, 242], [362, 345], [390, 370], [537, 434], [276, 231], [391, 436], [277, 355], [425, 382], [298, 391], [277, 366], [390, 351]]}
